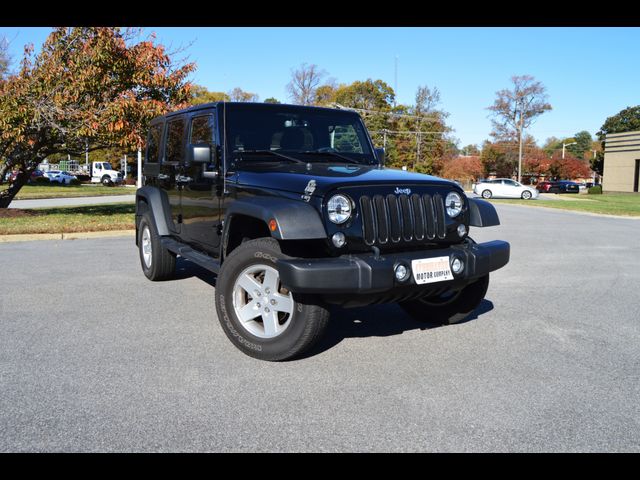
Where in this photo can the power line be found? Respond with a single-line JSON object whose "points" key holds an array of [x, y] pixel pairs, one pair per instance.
{"points": [[381, 132], [393, 114]]}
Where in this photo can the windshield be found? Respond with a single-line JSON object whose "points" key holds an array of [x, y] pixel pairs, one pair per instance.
{"points": [[107, 166], [258, 133]]}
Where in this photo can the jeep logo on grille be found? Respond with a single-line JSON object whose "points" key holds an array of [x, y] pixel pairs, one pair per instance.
{"points": [[406, 191]]}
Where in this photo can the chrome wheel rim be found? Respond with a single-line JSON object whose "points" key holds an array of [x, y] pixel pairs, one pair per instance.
{"points": [[146, 247], [262, 305]]}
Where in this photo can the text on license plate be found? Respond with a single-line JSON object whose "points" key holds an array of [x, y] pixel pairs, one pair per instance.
{"points": [[430, 270]]}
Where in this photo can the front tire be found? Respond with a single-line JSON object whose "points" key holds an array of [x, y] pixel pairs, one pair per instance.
{"points": [[259, 315], [106, 181], [486, 194], [526, 195], [448, 308]]}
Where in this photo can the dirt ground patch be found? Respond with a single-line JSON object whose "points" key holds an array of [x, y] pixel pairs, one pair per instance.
{"points": [[17, 213]]}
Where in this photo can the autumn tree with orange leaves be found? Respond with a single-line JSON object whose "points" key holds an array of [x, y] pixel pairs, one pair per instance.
{"points": [[97, 85]]}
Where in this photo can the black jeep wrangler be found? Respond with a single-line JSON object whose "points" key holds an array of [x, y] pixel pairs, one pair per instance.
{"points": [[293, 209]]}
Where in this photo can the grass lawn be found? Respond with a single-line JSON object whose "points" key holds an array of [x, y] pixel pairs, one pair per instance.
{"points": [[627, 204], [91, 218], [30, 192]]}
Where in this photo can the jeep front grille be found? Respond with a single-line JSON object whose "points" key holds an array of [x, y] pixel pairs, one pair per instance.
{"points": [[397, 218]]}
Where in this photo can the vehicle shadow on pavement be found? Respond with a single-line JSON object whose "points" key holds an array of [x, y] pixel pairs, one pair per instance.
{"points": [[373, 321], [187, 269], [378, 321]]}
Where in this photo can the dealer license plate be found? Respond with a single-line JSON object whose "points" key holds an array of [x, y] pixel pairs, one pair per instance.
{"points": [[431, 270]]}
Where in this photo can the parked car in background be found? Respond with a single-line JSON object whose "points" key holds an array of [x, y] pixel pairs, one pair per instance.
{"points": [[504, 188], [564, 186], [36, 174], [61, 177], [544, 187]]}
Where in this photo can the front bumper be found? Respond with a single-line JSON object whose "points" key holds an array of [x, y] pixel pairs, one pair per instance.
{"points": [[368, 273]]}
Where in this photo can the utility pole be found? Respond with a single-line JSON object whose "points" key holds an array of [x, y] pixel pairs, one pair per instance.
{"points": [[139, 182], [395, 82], [418, 138], [520, 150]]}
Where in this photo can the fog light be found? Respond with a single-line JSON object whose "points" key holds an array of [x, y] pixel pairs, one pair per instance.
{"points": [[401, 273], [457, 266], [339, 239], [462, 230]]}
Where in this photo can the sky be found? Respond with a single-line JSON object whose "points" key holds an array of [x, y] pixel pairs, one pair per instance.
{"points": [[589, 73]]}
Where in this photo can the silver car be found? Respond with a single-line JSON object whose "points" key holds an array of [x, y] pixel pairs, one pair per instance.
{"points": [[504, 188], [61, 177]]}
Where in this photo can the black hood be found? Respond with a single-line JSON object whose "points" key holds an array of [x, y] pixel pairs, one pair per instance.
{"points": [[297, 177]]}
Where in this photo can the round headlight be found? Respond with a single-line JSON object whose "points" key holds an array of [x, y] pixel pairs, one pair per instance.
{"points": [[453, 202], [339, 209]]}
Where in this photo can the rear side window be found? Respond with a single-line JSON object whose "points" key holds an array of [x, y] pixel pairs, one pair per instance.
{"points": [[175, 137], [201, 129], [153, 144]]}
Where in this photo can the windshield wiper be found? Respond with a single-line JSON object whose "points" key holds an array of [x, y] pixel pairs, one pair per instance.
{"points": [[334, 154], [278, 154]]}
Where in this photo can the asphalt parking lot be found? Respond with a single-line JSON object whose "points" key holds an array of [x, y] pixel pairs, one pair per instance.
{"points": [[94, 357]]}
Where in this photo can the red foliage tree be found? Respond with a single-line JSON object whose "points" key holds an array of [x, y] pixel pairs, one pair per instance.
{"points": [[93, 85], [569, 167], [462, 168]]}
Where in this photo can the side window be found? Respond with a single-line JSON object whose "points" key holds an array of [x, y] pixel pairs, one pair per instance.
{"points": [[153, 143], [175, 137], [344, 138], [202, 129]]}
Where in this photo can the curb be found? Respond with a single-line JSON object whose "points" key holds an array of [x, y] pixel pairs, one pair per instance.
{"points": [[29, 237]]}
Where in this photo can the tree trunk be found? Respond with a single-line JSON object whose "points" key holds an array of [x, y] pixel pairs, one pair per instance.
{"points": [[3, 171], [6, 196]]}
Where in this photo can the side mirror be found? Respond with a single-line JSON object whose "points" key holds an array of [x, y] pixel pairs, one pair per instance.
{"points": [[380, 155], [201, 153]]}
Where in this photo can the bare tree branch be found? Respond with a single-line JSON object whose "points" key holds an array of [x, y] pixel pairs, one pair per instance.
{"points": [[304, 83]]}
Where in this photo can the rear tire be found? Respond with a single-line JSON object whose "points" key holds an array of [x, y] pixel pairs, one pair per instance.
{"points": [[446, 310], [261, 317], [157, 262]]}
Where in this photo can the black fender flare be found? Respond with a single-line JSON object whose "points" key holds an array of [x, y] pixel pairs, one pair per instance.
{"points": [[482, 213], [295, 220], [158, 204]]}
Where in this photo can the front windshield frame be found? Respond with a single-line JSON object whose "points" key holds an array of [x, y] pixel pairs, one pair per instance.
{"points": [[235, 118]]}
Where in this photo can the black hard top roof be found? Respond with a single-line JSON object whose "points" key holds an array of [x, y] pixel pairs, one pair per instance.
{"points": [[209, 106]]}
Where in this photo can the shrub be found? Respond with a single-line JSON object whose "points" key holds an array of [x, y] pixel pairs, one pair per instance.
{"points": [[596, 189]]}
